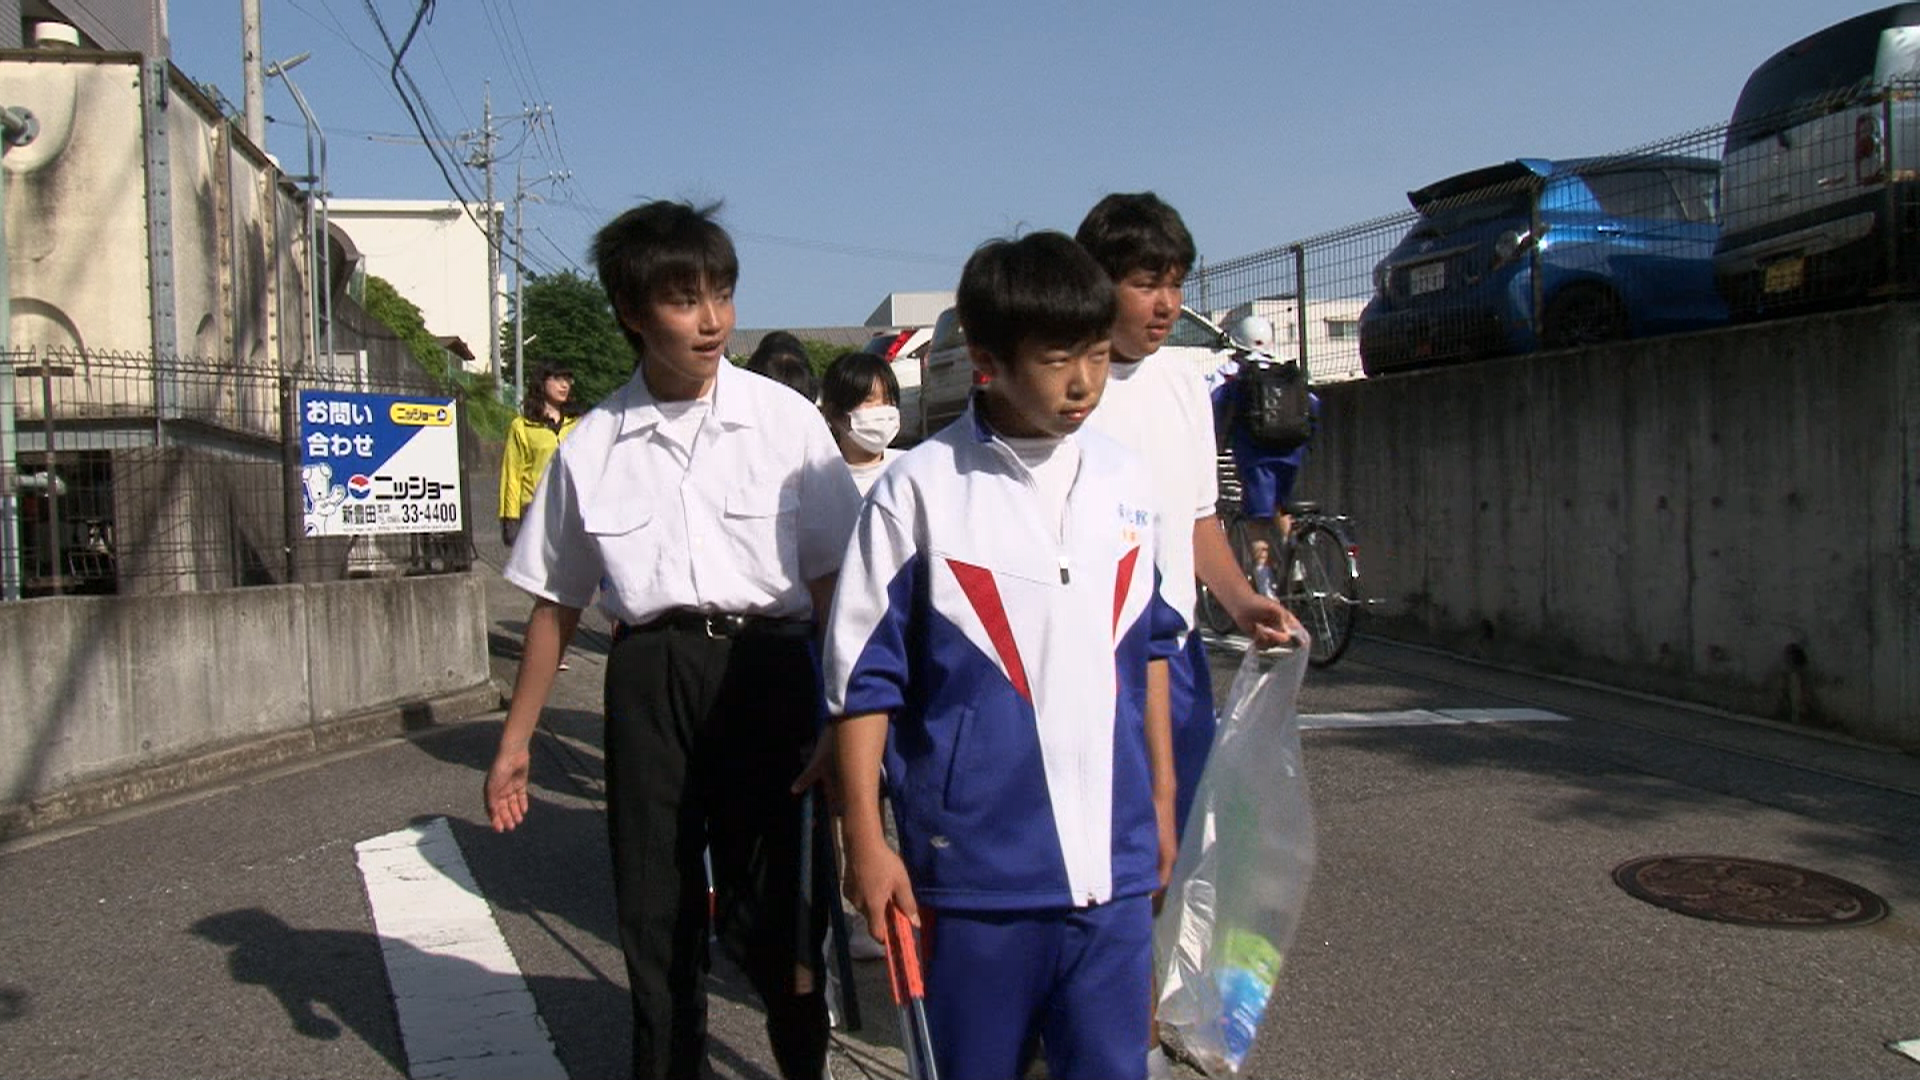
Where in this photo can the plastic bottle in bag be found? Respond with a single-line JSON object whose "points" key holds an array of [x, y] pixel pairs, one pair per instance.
{"points": [[1240, 883]]}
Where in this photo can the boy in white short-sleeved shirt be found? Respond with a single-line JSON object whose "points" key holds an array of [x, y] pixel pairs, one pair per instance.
{"points": [[710, 508]]}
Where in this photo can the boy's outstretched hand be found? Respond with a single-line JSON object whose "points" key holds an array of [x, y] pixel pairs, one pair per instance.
{"points": [[506, 791], [875, 878]]}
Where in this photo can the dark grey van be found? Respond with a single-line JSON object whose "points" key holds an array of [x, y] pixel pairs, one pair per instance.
{"points": [[1820, 179]]}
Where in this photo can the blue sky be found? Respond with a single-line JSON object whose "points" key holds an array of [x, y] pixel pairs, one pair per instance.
{"points": [[867, 147]]}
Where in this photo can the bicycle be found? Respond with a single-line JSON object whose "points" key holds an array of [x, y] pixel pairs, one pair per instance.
{"points": [[1317, 576]]}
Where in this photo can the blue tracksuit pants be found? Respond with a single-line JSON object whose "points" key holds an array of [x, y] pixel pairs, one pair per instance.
{"points": [[1079, 978]]}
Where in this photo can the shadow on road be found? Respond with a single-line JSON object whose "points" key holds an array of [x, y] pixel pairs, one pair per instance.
{"points": [[311, 970]]}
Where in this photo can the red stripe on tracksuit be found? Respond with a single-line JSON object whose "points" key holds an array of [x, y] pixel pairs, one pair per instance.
{"points": [[984, 595]]}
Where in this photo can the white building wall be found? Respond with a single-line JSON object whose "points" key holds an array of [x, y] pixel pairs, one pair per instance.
{"points": [[902, 310], [435, 255]]}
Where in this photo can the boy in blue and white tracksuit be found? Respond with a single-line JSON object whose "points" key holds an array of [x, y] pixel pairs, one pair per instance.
{"points": [[998, 640]]}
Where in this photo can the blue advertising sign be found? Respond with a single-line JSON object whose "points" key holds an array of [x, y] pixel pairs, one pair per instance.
{"points": [[377, 463]]}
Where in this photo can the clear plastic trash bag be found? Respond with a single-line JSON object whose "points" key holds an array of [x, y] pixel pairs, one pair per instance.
{"points": [[1240, 883]]}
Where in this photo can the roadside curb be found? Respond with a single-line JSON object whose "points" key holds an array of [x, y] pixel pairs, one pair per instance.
{"points": [[207, 766], [1828, 753]]}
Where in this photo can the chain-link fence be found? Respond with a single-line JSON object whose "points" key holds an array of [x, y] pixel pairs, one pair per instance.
{"points": [[133, 475], [1816, 204]]}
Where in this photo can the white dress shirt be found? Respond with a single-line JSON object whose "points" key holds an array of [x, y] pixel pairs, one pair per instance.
{"points": [[727, 505]]}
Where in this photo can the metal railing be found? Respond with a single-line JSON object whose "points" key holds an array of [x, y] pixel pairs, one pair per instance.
{"points": [[138, 475]]}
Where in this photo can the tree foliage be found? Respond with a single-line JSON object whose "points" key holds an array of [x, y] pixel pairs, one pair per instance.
{"points": [[820, 354], [402, 316], [572, 324]]}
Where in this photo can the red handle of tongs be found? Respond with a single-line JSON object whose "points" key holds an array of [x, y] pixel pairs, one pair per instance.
{"points": [[909, 993], [903, 958]]}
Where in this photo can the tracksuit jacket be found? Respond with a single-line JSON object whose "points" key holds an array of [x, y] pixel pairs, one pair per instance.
{"points": [[1011, 652]]}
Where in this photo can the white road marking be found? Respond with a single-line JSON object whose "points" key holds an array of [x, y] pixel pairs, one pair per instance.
{"points": [[1910, 1047], [1424, 717], [465, 1011]]}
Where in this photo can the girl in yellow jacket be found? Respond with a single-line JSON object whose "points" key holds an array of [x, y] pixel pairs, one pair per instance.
{"points": [[546, 416]]}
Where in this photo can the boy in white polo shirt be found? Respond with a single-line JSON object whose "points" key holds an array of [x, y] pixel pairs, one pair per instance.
{"points": [[998, 641], [710, 508]]}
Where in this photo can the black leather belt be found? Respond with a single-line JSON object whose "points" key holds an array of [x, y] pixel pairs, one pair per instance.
{"points": [[715, 625]]}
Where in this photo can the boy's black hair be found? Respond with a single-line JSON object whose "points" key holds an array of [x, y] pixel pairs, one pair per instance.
{"points": [[1128, 232], [779, 341], [1040, 288], [849, 379], [659, 246], [785, 367]]}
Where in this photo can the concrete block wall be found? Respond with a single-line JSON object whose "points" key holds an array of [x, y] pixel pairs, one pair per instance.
{"points": [[100, 688], [1730, 517]]}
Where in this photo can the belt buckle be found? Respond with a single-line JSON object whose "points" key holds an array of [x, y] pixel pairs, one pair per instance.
{"points": [[724, 625]]}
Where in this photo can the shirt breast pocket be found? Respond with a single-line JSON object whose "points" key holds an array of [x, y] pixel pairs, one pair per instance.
{"points": [[627, 533], [762, 533]]}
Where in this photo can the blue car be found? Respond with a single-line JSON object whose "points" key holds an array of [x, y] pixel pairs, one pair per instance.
{"points": [[1600, 248]]}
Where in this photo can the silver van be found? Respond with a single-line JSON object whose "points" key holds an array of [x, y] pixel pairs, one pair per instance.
{"points": [[1820, 179]]}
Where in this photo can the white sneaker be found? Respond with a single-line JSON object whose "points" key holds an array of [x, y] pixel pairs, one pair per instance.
{"points": [[860, 944]]}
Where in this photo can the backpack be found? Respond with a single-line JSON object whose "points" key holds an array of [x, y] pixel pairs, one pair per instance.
{"points": [[1271, 403]]}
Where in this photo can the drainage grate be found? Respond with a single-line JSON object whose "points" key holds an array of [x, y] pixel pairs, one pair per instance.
{"points": [[1748, 892]]}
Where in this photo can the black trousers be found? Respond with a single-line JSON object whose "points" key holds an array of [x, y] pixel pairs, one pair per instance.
{"points": [[704, 737]]}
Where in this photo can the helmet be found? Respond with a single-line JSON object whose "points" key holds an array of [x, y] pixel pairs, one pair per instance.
{"points": [[1252, 332]]}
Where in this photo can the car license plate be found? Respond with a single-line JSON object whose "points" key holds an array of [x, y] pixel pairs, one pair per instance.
{"points": [[1785, 275], [1426, 278]]}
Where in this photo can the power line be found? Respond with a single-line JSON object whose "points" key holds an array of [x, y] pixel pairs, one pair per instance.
{"points": [[401, 82]]}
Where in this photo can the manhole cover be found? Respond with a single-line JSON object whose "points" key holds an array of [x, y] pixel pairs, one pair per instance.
{"points": [[1748, 892]]}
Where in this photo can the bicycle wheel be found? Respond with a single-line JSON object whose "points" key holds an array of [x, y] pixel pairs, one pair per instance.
{"points": [[1213, 613], [1323, 590]]}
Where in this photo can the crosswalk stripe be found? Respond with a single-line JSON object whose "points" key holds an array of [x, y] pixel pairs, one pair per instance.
{"points": [[1424, 717], [465, 1011]]}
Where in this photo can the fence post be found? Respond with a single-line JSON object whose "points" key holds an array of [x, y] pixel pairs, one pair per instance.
{"points": [[1300, 303], [1892, 227], [1537, 288], [291, 484], [56, 553], [9, 474]]}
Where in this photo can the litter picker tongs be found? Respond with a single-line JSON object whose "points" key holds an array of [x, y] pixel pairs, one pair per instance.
{"points": [[910, 994]]}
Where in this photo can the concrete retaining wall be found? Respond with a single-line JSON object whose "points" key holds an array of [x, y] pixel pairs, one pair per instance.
{"points": [[113, 698], [1728, 517]]}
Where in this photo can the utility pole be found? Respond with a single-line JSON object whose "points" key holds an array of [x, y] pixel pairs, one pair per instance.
{"points": [[520, 196], [519, 293], [493, 240], [252, 76], [484, 158]]}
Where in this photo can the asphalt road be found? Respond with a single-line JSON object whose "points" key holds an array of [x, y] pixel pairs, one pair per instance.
{"points": [[1462, 920]]}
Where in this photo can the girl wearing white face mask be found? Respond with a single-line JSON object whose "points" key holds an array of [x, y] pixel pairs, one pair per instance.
{"points": [[861, 400]]}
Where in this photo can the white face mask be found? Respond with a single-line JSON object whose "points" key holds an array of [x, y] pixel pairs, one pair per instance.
{"points": [[872, 428]]}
